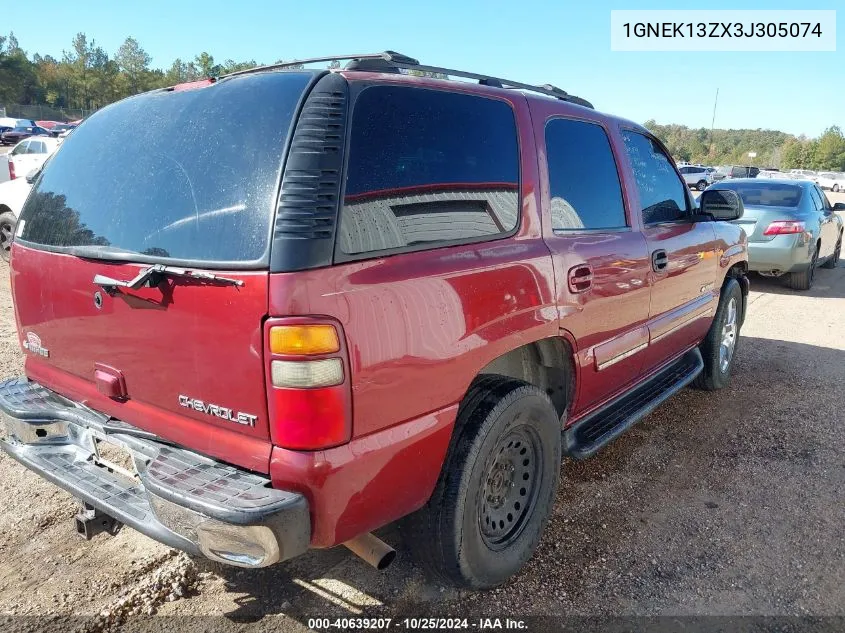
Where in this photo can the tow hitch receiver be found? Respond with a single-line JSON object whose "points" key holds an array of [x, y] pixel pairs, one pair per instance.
{"points": [[90, 521]]}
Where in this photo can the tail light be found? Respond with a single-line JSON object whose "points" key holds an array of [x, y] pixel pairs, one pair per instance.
{"points": [[784, 227], [308, 383], [12, 174]]}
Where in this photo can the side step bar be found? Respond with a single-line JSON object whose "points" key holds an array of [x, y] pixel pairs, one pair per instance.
{"points": [[584, 438]]}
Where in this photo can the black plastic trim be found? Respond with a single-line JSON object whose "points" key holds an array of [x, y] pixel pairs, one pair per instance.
{"points": [[631, 407], [306, 216]]}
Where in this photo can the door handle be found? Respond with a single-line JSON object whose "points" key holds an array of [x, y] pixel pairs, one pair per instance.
{"points": [[659, 260], [580, 278]]}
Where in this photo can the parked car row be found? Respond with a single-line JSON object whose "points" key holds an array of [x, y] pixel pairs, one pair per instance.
{"points": [[15, 130]]}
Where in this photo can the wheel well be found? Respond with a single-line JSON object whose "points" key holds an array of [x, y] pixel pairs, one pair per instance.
{"points": [[739, 271], [547, 364], [5, 209]]}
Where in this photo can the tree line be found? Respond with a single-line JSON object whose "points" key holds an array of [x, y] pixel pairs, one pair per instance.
{"points": [[87, 77], [773, 148]]}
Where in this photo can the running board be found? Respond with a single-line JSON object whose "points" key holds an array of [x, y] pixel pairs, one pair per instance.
{"points": [[584, 438]]}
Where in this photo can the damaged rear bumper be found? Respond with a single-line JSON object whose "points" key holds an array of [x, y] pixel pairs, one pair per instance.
{"points": [[173, 495]]}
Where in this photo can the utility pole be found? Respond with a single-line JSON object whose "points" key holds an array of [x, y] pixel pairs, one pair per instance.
{"points": [[713, 122]]}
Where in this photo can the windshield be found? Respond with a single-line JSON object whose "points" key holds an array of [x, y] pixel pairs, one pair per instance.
{"points": [[766, 195], [184, 175]]}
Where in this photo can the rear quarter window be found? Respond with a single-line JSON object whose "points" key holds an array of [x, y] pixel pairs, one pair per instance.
{"points": [[428, 168]]}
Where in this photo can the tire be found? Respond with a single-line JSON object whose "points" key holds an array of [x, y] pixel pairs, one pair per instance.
{"points": [[7, 230], [833, 260], [835, 188], [503, 466], [803, 280], [702, 185], [719, 346]]}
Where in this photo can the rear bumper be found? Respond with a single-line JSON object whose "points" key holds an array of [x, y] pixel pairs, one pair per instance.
{"points": [[172, 495], [783, 254]]}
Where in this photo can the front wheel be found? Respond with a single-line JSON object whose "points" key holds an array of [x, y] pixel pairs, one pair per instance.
{"points": [[719, 346], [497, 487]]}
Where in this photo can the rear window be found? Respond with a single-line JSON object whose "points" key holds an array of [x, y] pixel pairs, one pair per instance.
{"points": [[767, 195], [189, 176], [428, 168]]}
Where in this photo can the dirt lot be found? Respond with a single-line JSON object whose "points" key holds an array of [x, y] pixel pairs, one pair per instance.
{"points": [[728, 503]]}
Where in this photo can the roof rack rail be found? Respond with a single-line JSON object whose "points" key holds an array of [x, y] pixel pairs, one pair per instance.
{"points": [[391, 61]]}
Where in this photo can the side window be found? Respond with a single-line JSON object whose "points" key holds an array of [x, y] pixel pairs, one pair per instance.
{"points": [[584, 184], [662, 193], [825, 202], [37, 147], [817, 200], [427, 168]]}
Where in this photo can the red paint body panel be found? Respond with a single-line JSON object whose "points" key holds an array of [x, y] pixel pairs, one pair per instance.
{"points": [[202, 341], [369, 482]]}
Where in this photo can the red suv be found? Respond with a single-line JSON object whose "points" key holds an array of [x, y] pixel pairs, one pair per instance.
{"points": [[299, 305]]}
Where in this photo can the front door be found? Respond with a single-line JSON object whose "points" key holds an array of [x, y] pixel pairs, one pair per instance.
{"points": [[682, 252]]}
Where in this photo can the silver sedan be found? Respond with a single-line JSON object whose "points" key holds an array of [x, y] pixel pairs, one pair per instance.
{"points": [[792, 228]]}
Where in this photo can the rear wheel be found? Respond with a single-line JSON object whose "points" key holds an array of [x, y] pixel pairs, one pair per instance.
{"points": [[497, 487], [719, 346], [702, 185], [835, 188], [803, 280], [833, 261], [7, 230]]}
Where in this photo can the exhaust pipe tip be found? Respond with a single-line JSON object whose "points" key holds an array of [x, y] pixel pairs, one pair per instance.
{"points": [[372, 550]]}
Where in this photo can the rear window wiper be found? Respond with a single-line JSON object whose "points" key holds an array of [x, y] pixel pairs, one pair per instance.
{"points": [[151, 277]]}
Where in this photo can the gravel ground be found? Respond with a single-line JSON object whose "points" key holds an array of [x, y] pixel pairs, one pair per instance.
{"points": [[727, 503]]}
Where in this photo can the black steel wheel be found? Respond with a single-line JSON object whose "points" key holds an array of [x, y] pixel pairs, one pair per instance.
{"points": [[496, 488]]}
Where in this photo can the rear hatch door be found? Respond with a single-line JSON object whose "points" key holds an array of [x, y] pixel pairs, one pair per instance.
{"points": [[185, 178]]}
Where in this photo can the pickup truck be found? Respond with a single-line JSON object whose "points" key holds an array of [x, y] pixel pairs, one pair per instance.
{"points": [[373, 296]]}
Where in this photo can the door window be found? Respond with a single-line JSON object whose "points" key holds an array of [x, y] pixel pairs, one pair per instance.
{"points": [[662, 194], [583, 181]]}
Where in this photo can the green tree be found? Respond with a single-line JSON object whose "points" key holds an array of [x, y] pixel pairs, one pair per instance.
{"points": [[205, 65], [830, 150], [133, 62]]}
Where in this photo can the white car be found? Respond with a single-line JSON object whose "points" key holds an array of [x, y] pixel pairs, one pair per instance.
{"points": [[30, 154], [835, 181], [12, 196], [696, 176], [802, 174]]}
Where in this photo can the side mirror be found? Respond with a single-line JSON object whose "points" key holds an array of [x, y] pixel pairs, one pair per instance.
{"points": [[839, 206], [721, 204], [33, 175]]}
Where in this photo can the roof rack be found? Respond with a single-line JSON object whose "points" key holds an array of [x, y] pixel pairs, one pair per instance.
{"points": [[391, 61]]}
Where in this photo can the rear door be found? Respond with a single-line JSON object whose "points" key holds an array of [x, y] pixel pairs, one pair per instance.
{"points": [[600, 259], [682, 252], [163, 178]]}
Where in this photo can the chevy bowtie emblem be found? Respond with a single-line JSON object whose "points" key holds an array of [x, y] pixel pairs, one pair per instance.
{"points": [[32, 343]]}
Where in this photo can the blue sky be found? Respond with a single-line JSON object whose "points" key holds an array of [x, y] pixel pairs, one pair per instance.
{"points": [[563, 42]]}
